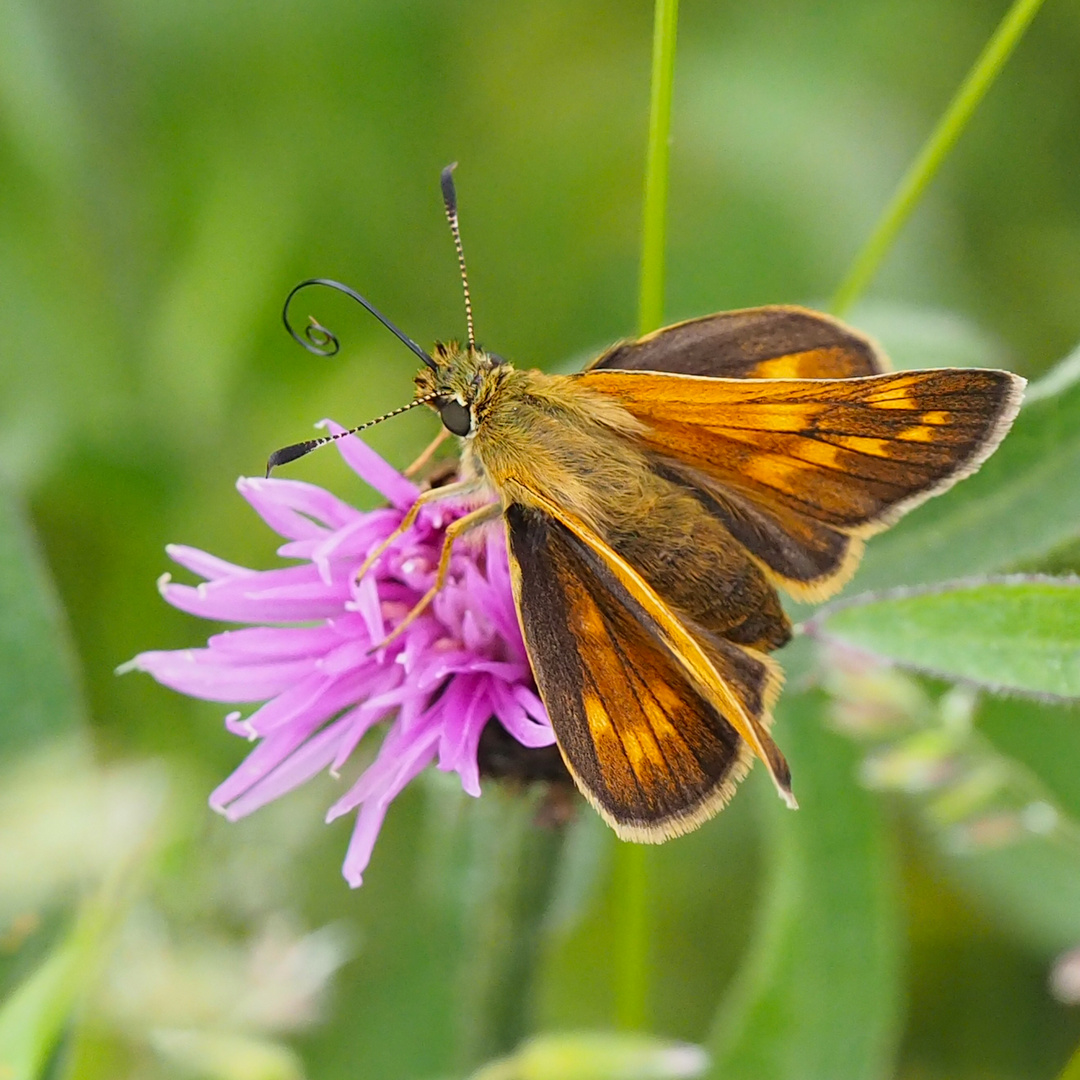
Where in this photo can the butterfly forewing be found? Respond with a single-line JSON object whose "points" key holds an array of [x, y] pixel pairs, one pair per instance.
{"points": [[778, 342], [799, 470]]}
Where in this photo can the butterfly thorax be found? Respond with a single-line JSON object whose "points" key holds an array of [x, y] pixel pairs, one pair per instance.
{"points": [[533, 434], [545, 430]]}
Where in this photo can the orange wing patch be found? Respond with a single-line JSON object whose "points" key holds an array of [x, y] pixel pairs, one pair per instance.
{"points": [[824, 461]]}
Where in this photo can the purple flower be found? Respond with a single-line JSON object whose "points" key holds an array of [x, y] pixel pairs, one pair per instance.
{"points": [[308, 655]]}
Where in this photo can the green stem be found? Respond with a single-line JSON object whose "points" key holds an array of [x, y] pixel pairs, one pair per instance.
{"points": [[933, 153], [631, 897], [631, 876], [514, 870], [654, 233]]}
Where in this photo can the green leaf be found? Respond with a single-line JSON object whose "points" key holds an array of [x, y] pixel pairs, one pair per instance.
{"points": [[1072, 1069], [819, 995], [598, 1056], [1014, 635], [1022, 503], [918, 337], [33, 1018], [222, 1055], [39, 691]]}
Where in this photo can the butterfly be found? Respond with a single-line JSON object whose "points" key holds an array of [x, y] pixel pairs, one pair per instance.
{"points": [[656, 504]]}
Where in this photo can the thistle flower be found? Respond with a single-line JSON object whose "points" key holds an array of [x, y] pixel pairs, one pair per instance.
{"points": [[308, 653]]}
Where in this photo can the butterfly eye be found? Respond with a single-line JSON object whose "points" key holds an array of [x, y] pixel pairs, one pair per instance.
{"points": [[456, 418]]}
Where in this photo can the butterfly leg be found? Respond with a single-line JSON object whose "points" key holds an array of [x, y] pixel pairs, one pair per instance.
{"points": [[455, 529], [449, 491], [425, 457]]}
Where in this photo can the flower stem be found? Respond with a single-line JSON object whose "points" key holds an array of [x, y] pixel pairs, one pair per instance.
{"points": [[514, 870], [654, 233], [631, 879], [631, 898], [934, 151]]}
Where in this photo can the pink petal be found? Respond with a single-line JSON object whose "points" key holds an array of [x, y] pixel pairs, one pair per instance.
{"points": [[295, 594], [201, 673], [373, 470], [397, 755], [269, 753], [510, 713], [371, 816], [463, 718], [318, 692], [205, 565], [300, 766], [294, 509], [276, 642], [531, 703], [367, 605]]}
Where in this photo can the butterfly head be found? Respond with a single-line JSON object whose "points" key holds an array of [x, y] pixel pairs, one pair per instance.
{"points": [[462, 385]]}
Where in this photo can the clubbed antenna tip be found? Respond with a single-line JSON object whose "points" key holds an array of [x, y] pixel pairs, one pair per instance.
{"points": [[449, 194]]}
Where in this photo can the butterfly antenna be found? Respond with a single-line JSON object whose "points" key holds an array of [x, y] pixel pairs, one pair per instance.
{"points": [[298, 450], [449, 195], [322, 342]]}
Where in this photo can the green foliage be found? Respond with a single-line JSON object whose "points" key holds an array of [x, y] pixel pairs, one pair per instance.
{"points": [[825, 958], [1013, 635], [33, 1018], [598, 1057], [39, 693]]}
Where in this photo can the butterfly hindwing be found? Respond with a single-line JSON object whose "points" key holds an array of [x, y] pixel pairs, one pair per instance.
{"points": [[801, 470], [755, 343], [645, 746], [641, 743]]}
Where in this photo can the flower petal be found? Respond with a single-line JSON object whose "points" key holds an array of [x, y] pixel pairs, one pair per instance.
{"points": [[294, 509], [300, 766], [374, 470], [512, 715], [276, 642], [205, 565], [369, 820], [448, 673], [201, 673], [295, 594]]}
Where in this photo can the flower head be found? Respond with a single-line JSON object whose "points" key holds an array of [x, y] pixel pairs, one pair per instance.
{"points": [[308, 653]]}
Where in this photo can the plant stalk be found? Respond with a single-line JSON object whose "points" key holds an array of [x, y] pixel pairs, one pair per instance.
{"points": [[631, 879], [935, 150]]}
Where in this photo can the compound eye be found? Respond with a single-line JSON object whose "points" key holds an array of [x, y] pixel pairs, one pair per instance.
{"points": [[456, 418]]}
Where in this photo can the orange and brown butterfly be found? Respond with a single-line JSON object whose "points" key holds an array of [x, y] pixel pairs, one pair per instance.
{"points": [[655, 503]]}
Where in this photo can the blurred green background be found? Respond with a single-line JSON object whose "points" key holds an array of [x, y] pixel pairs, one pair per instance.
{"points": [[168, 172]]}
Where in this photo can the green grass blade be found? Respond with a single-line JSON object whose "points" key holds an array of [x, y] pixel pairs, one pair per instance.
{"points": [[631, 861], [35, 1015], [936, 149], [654, 233], [631, 887], [1072, 1069]]}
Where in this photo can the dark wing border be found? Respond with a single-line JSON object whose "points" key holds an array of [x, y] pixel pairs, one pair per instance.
{"points": [[779, 341]]}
